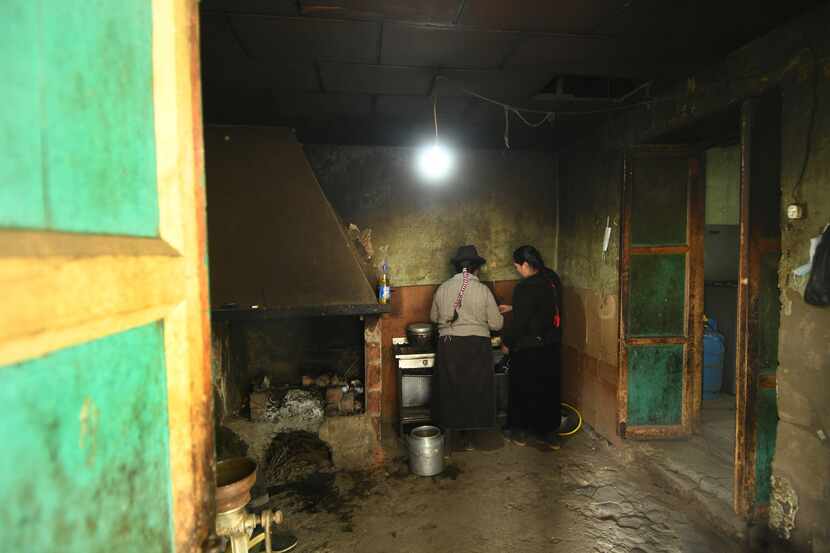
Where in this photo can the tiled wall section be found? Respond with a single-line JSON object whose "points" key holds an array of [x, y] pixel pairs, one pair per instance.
{"points": [[411, 304], [589, 353]]}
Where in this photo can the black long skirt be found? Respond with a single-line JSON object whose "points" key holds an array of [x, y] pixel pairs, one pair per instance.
{"points": [[464, 383], [535, 389]]}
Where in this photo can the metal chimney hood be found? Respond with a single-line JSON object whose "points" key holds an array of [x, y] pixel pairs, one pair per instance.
{"points": [[276, 246]]}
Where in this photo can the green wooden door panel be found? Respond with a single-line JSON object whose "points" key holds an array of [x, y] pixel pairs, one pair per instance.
{"points": [[22, 202], [766, 415], [78, 136], [85, 463], [766, 432], [658, 202], [769, 313], [657, 295], [655, 310], [655, 384]]}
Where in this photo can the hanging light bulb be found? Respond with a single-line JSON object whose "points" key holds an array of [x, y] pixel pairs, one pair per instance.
{"points": [[434, 160]]}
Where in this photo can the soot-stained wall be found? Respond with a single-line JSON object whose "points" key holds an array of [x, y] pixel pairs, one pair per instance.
{"points": [[589, 183], [497, 200], [494, 199], [796, 59]]}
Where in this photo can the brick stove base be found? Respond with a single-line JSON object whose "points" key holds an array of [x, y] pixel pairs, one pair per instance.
{"points": [[373, 359]]}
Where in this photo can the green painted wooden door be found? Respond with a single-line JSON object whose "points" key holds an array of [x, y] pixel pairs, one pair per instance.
{"points": [[96, 268], [661, 287]]}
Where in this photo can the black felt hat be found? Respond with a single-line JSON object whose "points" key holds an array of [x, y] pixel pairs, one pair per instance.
{"points": [[468, 253]]}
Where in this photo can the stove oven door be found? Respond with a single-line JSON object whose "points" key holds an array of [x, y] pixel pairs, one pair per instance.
{"points": [[416, 388]]}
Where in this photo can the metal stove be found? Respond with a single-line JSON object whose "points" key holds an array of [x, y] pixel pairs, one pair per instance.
{"points": [[414, 370], [415, 365]]}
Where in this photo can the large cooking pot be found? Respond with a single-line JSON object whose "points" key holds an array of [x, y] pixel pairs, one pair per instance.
{"points": [[420, 334]]}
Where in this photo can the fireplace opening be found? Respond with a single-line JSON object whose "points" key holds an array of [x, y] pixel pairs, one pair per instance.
{"points": [[305, 367], [295, 318], [289, 375], [294, 363]]}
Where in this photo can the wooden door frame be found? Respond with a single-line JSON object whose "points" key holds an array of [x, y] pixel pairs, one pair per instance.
{"points": [[63, 289], [748, 384], [690, 416], [743, 480]]}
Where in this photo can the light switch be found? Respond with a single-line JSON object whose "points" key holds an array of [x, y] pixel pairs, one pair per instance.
{"points": [[795, 211]]}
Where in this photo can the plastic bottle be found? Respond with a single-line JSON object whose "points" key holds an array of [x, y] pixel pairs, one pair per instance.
{"points": [[384, 290]]}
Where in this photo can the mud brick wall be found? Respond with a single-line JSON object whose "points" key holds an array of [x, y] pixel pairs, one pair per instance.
{"points": [[795, 58]]}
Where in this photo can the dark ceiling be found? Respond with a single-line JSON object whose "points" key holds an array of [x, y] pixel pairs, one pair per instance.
{"points": [[365, 71]]}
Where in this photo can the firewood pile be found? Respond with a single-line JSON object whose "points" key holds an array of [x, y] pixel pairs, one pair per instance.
{"points": [[342, 396]]}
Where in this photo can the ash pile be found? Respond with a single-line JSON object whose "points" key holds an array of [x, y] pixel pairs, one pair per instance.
{"points": [[303, 409], [287, 409]]}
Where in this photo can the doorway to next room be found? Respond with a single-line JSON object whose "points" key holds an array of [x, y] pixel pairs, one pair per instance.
{"points": [[729, 417], [703, 459], [721, 243]]}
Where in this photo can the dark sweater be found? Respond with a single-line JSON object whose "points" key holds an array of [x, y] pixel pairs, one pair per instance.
{"points": [[535, 304]]}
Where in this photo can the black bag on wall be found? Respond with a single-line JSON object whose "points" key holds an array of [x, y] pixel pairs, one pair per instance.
{"points": [[818, 287]]}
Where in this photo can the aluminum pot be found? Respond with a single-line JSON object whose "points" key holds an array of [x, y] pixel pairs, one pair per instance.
{"points": [[426, 451], [420, 334]]}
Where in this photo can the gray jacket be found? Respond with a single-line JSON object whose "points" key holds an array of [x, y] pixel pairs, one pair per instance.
{"points": [[478, 314]]}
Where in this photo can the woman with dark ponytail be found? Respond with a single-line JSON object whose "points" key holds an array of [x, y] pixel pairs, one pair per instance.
{"points": [[463, 385], [533, 339]]}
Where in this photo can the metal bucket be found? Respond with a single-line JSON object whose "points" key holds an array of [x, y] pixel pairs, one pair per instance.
{"points": [[426, 451]]}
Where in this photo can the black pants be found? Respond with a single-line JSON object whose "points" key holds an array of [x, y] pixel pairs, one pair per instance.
{"points": [[535, 389]]}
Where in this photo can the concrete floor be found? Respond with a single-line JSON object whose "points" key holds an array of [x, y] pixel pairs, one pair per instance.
{"points": [[701, 468], [717, 418], [586, 497]]}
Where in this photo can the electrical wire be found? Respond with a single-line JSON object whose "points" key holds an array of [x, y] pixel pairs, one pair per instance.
{"points": [[550, 114], [435, 116], [545, 119], [506, 128]]}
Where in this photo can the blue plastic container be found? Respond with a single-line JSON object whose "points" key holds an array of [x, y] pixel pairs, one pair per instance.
{"points": [[714, 347]]}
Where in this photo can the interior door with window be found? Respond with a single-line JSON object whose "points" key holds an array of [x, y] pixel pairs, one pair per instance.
{"points": [[104, 368], [661, 290]]}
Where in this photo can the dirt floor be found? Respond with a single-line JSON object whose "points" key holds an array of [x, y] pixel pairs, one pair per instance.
{"points": [[499, 498]]}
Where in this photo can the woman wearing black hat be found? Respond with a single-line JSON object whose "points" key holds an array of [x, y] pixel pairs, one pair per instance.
{"points": [[533, 339], [465, 312]]}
